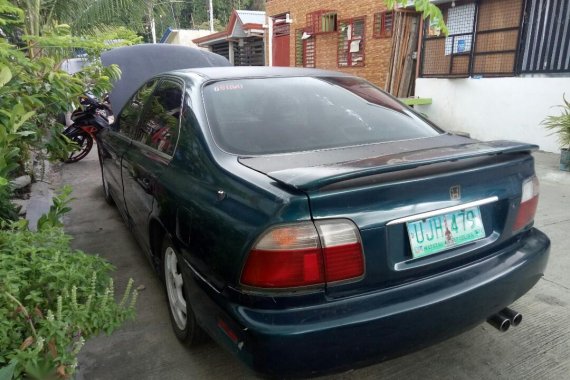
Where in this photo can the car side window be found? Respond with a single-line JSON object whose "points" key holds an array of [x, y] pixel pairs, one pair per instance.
{"points": [[131, 113], [160, 123]]}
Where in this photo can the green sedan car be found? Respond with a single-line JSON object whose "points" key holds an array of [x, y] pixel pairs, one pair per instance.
{"points": [[308, 222]]}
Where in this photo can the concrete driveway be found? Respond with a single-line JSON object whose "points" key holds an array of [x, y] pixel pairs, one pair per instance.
{"points": [[147, 348]]}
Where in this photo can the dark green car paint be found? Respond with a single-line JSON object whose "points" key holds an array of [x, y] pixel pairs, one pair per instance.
{"points": [[214, 207], [189, 208]]}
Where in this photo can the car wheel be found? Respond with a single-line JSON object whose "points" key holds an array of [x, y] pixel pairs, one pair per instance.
{"points": [[182, 317]]}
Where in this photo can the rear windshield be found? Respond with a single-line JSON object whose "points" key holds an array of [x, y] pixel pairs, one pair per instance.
{"points": [[280, 115]]}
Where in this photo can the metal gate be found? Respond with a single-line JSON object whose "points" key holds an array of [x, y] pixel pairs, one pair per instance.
{"points": [[250, 53], [545, 41]]}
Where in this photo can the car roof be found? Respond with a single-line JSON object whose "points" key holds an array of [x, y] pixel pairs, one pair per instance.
{"points": [[217, 73]]}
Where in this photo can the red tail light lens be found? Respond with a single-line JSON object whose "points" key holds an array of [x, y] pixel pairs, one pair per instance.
{"points": [[342, 250], [297, 255], [285, 257], [529, 202]]}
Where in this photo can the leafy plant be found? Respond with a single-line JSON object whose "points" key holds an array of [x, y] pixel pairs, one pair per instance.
{"points": [[7, 209], [560, 124], [426, 8], [59, 208], [52, 299], [34, 92]]}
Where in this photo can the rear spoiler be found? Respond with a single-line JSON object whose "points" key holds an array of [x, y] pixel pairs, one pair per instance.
{"points": [[307, 176]]}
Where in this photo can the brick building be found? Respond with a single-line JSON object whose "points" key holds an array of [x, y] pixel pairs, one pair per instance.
{"points": [[349, 36]]}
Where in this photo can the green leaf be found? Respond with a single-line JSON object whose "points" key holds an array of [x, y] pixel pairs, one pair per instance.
{"points": [[5, 75], [25, 117], [26, 133], [6, 373]]}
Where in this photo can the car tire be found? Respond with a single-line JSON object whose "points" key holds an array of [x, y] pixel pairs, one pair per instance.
{"points": [[182, 317]]}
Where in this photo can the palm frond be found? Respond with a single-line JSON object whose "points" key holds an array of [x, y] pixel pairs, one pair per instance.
{"points": [[560, 124]]}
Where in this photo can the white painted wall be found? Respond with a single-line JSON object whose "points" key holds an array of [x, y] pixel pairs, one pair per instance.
{"points": [[185, 36], [495, 108]]}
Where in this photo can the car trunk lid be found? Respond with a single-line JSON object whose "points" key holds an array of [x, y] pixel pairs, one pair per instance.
{"points": [[381, 188], [308, 171]]}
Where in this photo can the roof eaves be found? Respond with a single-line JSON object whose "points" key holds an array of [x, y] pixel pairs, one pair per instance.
{"points": [[252, 26], [211, 37]]}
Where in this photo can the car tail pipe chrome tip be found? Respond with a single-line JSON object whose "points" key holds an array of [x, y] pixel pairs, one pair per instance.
{"points": [[514, 316], [499, 322], [504, 319]]}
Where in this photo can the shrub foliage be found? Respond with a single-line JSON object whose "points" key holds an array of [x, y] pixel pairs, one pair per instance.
{"points": [[52, 298]]}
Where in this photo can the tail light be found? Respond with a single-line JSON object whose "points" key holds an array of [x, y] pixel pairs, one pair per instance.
{"points": [[284, 257], [301, 255], [529, 202], [342, 250]]}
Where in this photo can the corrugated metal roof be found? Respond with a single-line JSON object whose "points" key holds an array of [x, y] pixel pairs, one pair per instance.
{"points": [[251, 17]]}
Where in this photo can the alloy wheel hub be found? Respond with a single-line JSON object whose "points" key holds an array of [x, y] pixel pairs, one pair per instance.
{"points": [[174, 284]]}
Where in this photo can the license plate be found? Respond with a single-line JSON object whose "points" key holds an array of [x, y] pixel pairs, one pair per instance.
{"points": [[445, 231]]}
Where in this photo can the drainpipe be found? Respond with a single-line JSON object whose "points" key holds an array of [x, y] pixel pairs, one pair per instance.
{"points": [[231, 52], [270, 40]]}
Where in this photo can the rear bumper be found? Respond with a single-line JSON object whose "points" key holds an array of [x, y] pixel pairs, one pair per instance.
{"points": [[352, 332]]}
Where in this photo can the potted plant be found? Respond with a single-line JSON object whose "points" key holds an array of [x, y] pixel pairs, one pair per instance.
{"points": [[560, 124]]}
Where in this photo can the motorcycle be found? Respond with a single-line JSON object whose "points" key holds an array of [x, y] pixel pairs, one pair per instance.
{"points": [[87, 120]]}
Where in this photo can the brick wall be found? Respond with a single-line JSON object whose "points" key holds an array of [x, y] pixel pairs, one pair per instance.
{"points": [[377, 50]]}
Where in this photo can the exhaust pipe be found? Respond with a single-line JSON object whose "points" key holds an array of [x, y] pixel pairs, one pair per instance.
{"points": [[499, 322], [514, 316]]}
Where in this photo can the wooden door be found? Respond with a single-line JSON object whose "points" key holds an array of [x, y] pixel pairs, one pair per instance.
{"points": [[281, 42]]}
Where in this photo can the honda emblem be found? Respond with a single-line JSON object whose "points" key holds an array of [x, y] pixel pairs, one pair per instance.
{"points": [[455, 192]]}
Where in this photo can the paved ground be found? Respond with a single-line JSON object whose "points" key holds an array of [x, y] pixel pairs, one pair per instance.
{"points": [[147, 348]]}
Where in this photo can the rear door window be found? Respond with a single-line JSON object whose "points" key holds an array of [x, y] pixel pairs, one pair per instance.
{"points": [[160, 123], [131, 113], [281, 115]]}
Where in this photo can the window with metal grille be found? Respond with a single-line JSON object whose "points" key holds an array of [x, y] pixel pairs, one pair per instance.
{"points": [[383, 24], [497, 36], [321, 21], [483, 40], [449, 56], [280, 30], [305, 46], [351, 42]]}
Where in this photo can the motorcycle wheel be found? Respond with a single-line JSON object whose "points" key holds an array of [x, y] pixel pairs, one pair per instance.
{"points": [[84, 143]]}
